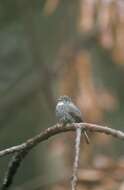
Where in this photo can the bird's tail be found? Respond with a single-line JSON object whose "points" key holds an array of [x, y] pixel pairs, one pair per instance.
{"points": [[86, 136]]}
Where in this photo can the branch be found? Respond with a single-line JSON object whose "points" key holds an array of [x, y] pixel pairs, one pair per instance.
{"points": [[12, 168], [56, 129], [76, 161], [23, 149]]}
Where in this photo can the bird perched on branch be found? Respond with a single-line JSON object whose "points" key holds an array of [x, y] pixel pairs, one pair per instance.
{"points": [[68, 112]]}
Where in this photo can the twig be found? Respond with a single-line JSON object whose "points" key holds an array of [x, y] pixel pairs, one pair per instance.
{"points": [[23, 149], [56, 129], [12, 168], [76, 161]]}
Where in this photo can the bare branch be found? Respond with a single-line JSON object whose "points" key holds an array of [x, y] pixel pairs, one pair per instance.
{"points": [[13, 166], [56, 129], [23, 149], [76, 161]]}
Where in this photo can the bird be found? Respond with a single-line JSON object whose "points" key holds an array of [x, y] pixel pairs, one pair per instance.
{"points": [[68, 112]]}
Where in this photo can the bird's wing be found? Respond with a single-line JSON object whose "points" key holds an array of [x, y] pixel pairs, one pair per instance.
{"points": [[74, 112]]}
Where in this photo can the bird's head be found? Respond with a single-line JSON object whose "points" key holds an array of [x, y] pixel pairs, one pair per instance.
{"points": [[64, 99]]}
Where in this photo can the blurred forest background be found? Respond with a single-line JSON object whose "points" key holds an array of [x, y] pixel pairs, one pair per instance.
{"points": [[54, 47]]}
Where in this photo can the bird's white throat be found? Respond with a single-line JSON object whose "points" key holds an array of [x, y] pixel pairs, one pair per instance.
{"points": [[60, 103]]}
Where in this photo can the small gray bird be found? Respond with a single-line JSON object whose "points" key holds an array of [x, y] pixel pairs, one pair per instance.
{"points": [[68, 112]]}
